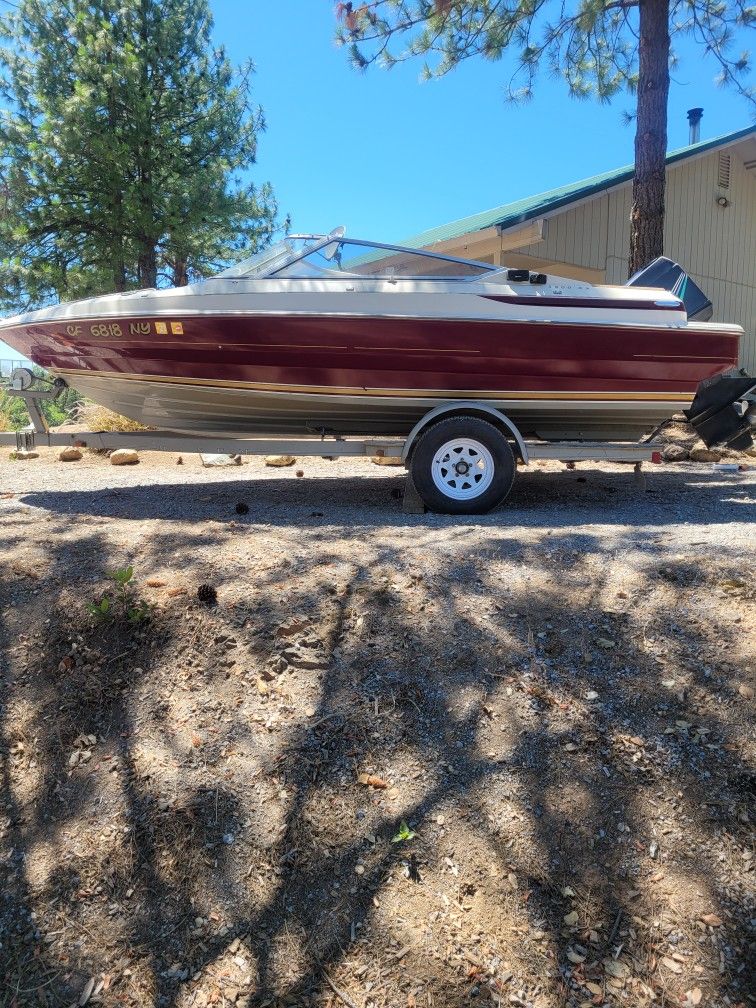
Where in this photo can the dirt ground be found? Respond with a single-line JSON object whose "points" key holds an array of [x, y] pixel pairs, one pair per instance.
{"points": [[401, 761]]}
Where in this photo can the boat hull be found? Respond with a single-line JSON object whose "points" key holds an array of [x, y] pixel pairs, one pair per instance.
{"points": [[356, 374], [206, 407]]}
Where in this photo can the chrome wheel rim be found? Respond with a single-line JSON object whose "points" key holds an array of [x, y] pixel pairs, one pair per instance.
{"points": [[462, 469]]}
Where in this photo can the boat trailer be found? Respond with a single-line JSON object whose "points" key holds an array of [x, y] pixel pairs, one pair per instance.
{"points": [[453, 451]]}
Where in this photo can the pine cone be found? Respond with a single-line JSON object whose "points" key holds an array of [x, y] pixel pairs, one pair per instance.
{"points": [[207, 594]]}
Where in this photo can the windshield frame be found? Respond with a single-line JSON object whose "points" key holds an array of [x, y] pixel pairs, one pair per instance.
{"points": [[318, 241], [242, 270], [343, 274]]}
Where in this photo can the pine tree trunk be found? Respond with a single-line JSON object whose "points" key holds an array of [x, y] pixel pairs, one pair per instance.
{"points": [[647, 219], [147, 260], [147, 266], [119, 259], [180, 273]]}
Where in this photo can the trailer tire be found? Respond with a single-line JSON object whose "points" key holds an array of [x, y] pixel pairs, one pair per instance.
{"points": [[462, 465]]}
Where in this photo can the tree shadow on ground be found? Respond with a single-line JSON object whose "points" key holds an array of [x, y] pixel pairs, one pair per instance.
{"points": [[185, 821], [538, 498]]}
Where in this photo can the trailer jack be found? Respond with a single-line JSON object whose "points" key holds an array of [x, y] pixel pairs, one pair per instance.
{"points": [[22, 387]]}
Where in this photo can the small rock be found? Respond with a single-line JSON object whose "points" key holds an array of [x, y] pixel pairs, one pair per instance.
{"points": [[746, 691], [591, 695], [70, 454], [606, 642], [294, 625], [217, 461], [704, 454], [387, 460], [279, 461], [303, 659], [300, 473], [372, 780], [23, 455], [675, 453], [124, 456]]}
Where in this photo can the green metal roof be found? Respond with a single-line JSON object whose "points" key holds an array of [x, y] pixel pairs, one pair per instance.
{"points": [[535, 206]]}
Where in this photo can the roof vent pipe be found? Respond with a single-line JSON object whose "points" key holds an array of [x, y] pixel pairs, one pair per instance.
{"points": [[694, 118]]}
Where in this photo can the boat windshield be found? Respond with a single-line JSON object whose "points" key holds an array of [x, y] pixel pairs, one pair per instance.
{"points": [[274, 257], [355, 258]]}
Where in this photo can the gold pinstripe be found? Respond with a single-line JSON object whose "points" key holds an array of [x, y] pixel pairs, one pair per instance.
{"points": [[385, 393]]}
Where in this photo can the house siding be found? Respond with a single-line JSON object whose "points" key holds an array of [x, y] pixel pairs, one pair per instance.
{"points": [[716, 245]]}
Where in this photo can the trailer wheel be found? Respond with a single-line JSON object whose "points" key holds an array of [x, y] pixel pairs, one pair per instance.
{"points": [[463, 465]]}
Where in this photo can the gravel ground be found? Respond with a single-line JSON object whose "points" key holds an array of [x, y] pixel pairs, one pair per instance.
{"points": [[400, 761]]}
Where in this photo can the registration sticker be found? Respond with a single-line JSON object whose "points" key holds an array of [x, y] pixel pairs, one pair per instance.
{"points": [[177, 328], [161, 328]]}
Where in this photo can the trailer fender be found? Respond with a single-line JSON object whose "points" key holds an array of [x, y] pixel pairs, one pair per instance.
{"points": [[467, 408]]}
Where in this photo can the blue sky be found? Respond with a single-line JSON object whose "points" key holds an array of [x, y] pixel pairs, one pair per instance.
{"points": [[389, 156]]}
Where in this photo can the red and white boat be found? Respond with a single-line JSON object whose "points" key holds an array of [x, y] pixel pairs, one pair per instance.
{"points": [[324, 334]]}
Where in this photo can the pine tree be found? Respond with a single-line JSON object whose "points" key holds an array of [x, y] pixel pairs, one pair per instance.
{"points": [[599, 47], [122, 149]]}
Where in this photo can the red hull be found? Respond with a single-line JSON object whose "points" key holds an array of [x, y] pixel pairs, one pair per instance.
{"points": [[357, 352]]}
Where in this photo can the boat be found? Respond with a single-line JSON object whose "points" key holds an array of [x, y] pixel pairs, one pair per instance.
{"points": [[324, 334]]}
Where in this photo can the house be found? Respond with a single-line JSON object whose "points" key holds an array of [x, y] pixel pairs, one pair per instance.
{"points": [[582, 230]]}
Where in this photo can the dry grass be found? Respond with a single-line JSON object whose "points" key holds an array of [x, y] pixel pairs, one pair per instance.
{"points": [[100, 418]]}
